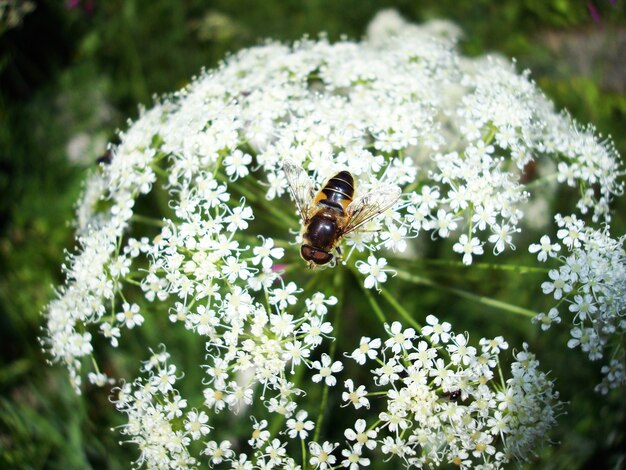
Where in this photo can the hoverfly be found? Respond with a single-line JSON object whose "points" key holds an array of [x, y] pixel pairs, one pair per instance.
{"points": [[332, 213]]}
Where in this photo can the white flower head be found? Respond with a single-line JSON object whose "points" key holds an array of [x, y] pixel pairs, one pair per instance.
{"points": [[326, 368], [300, 426], [374, 269], [403, 109], [321, 455], [437, 331]]}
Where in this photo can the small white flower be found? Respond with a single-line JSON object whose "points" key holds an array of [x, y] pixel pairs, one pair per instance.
{"points": [[388, 372], [315, 329], [353, 458], [175, 407], [99, 379], [276, 452], [218, 453], [361, 435], [546, 320], [395, 447], [165, 379], [444, 223], [437, 331], [296, 352], [285, 296], [357, 398], [266, 253], [368, 349], [459, 351], [375, 270], [317, 304], [560, 283], [321, 455], [571, 234], [468, 247], [299, 427], [260, 434], [111, 332], [196, 424], [394, 238], [326, 370], [544, 249], [494, 345], [238, 219], [130, 315], [501, 238], [577, 338], [399, 339], [583, 306], [237, 164]]}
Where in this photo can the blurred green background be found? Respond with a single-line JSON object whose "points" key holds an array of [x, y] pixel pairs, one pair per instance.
{"points": [[72, 72]]}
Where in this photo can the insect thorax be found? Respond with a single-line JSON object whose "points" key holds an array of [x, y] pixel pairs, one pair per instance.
{"points": [[322, 231]]}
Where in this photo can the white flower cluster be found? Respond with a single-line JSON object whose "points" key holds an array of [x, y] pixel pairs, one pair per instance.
{"points": [[590, 283], [152, 404], [94, 274], [184, 223], [447, 402], [407, 109]]}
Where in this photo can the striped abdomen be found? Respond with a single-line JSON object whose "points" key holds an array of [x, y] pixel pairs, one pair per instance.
{"points": [[337, 192]]}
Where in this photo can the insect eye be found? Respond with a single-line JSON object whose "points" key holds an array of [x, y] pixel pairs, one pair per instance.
{"points": [[317, 256], [322, 257]]}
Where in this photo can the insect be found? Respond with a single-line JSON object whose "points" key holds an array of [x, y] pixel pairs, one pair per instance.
{"points": [[454, 395], [331, 213], [105, 158]]}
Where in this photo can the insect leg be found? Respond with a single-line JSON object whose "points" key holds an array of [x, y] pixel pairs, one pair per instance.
{"points": [[339, 256]]}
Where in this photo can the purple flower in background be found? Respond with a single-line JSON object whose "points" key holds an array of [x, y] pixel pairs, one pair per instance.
{"points": [[88, 6]]}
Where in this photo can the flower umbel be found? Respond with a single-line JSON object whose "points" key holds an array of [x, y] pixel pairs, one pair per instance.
{"points": [[182, 231]]}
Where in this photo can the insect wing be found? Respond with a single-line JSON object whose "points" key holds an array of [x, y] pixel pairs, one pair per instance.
{"points": [[300, 187], [368, 206]]}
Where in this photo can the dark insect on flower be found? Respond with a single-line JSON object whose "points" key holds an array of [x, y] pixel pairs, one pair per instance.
{"points": [[105, 158], [332, 213], [454, 395]]}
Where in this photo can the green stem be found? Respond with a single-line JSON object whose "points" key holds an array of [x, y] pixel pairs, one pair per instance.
{"points": [[467, 295], [159, 171], [338, 286], [500, 373], [374, 425], [411, 187], [491, 134], [377, 310], [459, 264], [147, 220], [95, 364], [400, 309], [320, 414], [134, 58], [370, 298]]}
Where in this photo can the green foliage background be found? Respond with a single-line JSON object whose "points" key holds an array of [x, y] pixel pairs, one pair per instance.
{"points": [[84, 69]]}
